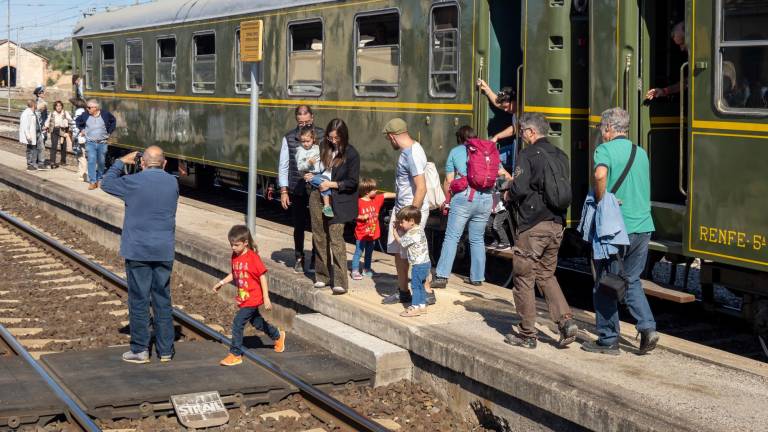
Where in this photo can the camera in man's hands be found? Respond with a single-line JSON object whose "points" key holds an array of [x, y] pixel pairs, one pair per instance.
{"points": [[137, 158]]}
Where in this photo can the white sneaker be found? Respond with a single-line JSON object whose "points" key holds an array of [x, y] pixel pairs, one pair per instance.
{"points": [[320, 284]]}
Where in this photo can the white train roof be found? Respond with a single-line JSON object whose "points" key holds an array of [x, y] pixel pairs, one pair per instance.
{"points": [[166, 12]]}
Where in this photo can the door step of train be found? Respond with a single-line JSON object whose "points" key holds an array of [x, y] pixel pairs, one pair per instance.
{"points": [[25, 399]]}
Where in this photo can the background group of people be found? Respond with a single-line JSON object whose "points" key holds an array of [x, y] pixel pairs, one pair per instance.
{"points": [[85, 132]]}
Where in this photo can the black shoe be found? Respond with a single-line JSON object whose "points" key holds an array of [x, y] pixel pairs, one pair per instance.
{"points": [[525, 342], [503, 247], [298, 267], [493, 245], [596, 347], [648, 341], [398, 297], [568, 330], [431, 299], [31, 168], [439, 282], [467, 281], [42, 168]]}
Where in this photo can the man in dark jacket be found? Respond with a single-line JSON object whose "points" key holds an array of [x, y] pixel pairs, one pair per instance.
{"points": [[539, 233], [96, 125], [147, 244], [293, 188]]}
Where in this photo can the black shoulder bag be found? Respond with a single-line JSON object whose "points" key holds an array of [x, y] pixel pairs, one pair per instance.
{"points": [[610, 284]]}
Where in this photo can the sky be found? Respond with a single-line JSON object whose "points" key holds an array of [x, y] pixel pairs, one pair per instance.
{"points": [[33, 20]]}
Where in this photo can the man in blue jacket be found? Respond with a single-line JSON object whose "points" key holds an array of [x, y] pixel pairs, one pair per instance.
{"points": [[147, 244], [96, 125]]}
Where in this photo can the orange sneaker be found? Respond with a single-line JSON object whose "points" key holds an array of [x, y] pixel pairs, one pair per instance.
{"points": [[280, 342], [231, 360]]}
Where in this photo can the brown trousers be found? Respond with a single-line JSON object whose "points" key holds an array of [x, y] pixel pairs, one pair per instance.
{"points": [[328, 239], [534, 265]]}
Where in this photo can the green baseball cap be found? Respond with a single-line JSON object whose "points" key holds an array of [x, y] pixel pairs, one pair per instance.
{"points": [[395, 126]]}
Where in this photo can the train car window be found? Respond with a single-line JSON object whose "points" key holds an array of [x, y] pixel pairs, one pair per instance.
{"points": [[377, 57], [742, 86], [134, 65], [108, 66], [243, 71], [305, 58], [204, 63], [166, 64], [444, 52], [88, 66]]}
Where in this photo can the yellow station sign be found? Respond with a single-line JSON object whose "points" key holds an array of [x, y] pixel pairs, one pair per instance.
{"points": [[251, 34]]}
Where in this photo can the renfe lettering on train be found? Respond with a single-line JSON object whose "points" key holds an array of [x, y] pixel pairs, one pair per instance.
{"points": [[200, 410], [734, 238]]}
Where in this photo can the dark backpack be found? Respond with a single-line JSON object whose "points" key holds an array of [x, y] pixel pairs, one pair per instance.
{"points": [[557, 181]]}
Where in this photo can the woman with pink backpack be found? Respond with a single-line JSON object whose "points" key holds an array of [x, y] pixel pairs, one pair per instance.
{"points": [[471, 171]]}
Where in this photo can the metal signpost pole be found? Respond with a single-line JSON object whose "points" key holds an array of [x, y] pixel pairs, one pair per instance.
{"points": [[252, 153], [8, 68]]}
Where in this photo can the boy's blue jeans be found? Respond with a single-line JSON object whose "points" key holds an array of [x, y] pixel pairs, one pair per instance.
{"points": [[607, 309], [251, 315], [360, 247], [419, 275], [317, 180]]}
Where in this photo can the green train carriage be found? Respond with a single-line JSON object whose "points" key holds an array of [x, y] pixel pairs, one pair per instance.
{"points": [[170, 72], [707, 144]]}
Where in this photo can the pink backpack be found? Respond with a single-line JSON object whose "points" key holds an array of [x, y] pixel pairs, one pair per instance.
{"points": [[482, 164]]}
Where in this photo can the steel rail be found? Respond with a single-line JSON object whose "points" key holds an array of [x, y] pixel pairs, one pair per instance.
{"points": [[327, 402], [75, 410]]}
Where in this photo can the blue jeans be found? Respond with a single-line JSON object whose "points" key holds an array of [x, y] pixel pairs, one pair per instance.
{"points": [[419, 274], [149, 282], [360, 247], [97, 155], [476, 213], [317, 180], [251, 315], [607, 309]]}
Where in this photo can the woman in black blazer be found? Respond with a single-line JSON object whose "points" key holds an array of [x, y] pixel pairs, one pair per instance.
{"points": [[343, 161]]}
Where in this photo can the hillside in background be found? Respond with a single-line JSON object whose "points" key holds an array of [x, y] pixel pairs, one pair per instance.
{"points": [[58, 52]]}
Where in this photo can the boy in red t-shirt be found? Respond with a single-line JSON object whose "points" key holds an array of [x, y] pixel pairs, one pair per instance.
{"points": [[368, 229], [249, 275]]}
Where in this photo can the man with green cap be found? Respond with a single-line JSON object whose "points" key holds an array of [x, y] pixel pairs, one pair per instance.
{"points": [[410, 189]]}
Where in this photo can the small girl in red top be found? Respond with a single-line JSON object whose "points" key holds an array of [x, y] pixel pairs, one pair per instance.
{"points": [[367, 230], [250, 277]]}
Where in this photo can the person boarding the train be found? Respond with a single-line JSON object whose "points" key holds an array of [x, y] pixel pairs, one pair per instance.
{"points": [[618, 160], [541, 223], [293, 187]]}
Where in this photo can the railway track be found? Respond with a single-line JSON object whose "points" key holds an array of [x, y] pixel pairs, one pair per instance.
{"points": [[43, 272]]}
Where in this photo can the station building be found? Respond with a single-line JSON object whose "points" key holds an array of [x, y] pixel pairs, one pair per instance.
{"points": [[27, 69]]}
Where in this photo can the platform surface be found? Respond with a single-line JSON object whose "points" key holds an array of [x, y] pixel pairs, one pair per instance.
{"points": [[23, 393], [680, 386]]}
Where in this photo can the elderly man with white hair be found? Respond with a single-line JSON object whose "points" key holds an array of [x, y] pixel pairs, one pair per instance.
{"points": [[622, 168], [96, 125]]}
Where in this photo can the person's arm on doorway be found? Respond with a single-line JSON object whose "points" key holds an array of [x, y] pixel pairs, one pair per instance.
{"points": [[489, 93]]}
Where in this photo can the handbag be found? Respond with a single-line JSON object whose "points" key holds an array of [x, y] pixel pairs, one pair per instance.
{"points": [[611, 284], [458, 185], [614, 285]]}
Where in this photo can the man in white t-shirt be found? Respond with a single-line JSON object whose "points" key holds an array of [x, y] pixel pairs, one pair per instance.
{"points": [[410, 189]]}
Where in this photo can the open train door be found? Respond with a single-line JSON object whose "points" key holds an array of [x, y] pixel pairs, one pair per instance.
{"points": [[555, 82], [632, 52]]}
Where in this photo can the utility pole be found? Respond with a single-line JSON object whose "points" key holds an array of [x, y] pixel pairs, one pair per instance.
{"points": [[8, 68]]}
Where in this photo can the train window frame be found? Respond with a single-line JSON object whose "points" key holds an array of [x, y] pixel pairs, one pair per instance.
{"points": [[193, 59], [128, 63], [355, 48], [289, 50], [720, 44], [103, 64], [88, 66], [174, 63], [432, 91], [238, 65]]}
